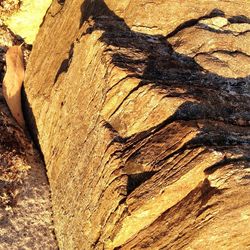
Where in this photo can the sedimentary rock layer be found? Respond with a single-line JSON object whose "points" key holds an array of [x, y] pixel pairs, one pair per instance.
{"points": [[141, 110]]}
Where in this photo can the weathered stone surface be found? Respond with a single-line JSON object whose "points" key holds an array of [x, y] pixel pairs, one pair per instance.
{"points": [[141, 110], [25, 207], [227, 44]]}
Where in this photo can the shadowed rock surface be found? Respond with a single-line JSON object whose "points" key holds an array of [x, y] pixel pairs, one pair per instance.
{"points": [[141, 109]]}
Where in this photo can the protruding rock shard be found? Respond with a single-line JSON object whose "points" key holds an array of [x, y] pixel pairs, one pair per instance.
{"points": [[12, 82]]}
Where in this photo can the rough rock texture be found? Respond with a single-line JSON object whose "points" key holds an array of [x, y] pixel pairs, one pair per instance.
{"points": [[8, 8], [141, 109], [25, 207]]}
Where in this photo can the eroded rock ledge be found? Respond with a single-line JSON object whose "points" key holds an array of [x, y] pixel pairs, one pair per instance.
{"points": [[141, 110]]}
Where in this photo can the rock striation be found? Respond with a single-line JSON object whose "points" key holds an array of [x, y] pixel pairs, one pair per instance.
{"points": [[141, 110]]}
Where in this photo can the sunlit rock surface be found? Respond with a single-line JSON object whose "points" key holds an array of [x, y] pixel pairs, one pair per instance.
{"points": [[26, 21], [141, 109]]}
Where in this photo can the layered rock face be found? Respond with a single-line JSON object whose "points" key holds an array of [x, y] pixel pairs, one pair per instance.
{"points": [[141, 110]]}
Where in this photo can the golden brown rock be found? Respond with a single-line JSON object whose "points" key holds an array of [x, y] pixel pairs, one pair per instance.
{"points": [[13, 81], [141, 110]]}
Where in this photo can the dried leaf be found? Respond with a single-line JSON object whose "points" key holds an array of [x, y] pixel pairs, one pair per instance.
{"points": [[12, 82]]}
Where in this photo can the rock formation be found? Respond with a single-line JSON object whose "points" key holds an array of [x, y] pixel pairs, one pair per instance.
{"points": [[12, 82], [141, 110]]}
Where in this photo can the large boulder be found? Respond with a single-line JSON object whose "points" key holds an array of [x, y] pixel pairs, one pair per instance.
{"points": [[141, 110]]}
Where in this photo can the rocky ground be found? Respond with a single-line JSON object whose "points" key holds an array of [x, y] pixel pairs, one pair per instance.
{"points": [[25, 207]]}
